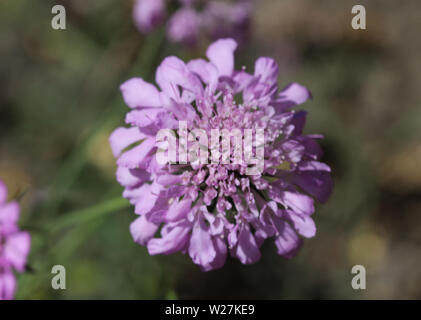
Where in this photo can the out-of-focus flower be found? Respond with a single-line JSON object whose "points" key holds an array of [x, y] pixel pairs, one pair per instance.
{"points": [[184, 26], [148, 14], [211, 209], [14, 245], [223, 19], [213, 18]]}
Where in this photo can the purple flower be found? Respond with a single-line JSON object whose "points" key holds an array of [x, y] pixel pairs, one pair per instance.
{"points": [[211, 209], [192, 18], [14, 245], [184, 26], [148, 14], [225, 19]]}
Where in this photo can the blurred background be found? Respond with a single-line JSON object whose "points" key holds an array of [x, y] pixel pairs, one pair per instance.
{"points": [[59, 101]]}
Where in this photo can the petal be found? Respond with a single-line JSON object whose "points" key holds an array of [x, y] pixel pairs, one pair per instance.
{"points": [[288, 242], [142, 230], [297, 202], [133, 158], [143, 118], [147, 198], [221, 54], [244, 80], [221, 255], [267, 69], [313, 166], [201, 248], [299, 121], [3, 192], [312, 148], [178, 209], [139, 93], [130, 178], [314, 177], [206, 71], [17, 248], [172, 73], [147, 14], [169, 179], [247, 250], [294, 94], [172, 241], [9, 215], [7, 285], [233, 237], [122, 137], [293, 150], [264, 226], [184, 26], [302, 223]]}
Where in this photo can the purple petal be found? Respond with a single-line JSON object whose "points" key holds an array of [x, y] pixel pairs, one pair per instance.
{"points": [[288, 242], [184, 26], [147, 14], [175, 237], [169, 179], [206, 71], [143, 118], [133, 158], [294, 94], [178, 210], [293, 150], [3, 192], [122, 137], [220, 257], [221, 54], [243, 80], [302, 223], [297, 202], [201, 248], [172, 73], [247, 250], [267, 69], [142, 230], [147, 198], [264, 225], [9, 215], [314, 177], [7, 285], [312, 148], [130, 178], [299, 121], [17, 248], [139, 93]]}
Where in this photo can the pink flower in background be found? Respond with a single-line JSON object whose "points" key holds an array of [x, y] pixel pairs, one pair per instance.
{"points": [[215, 18], [184, 26], [211, 210], [148, 14], [14, 245]]}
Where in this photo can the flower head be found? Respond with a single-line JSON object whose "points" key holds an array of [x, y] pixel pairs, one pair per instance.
{"points": [[209, 208], [14, 245], [192, 17]]}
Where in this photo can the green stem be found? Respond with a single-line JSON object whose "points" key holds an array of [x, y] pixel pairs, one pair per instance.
{"points": [[87, 214]]}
